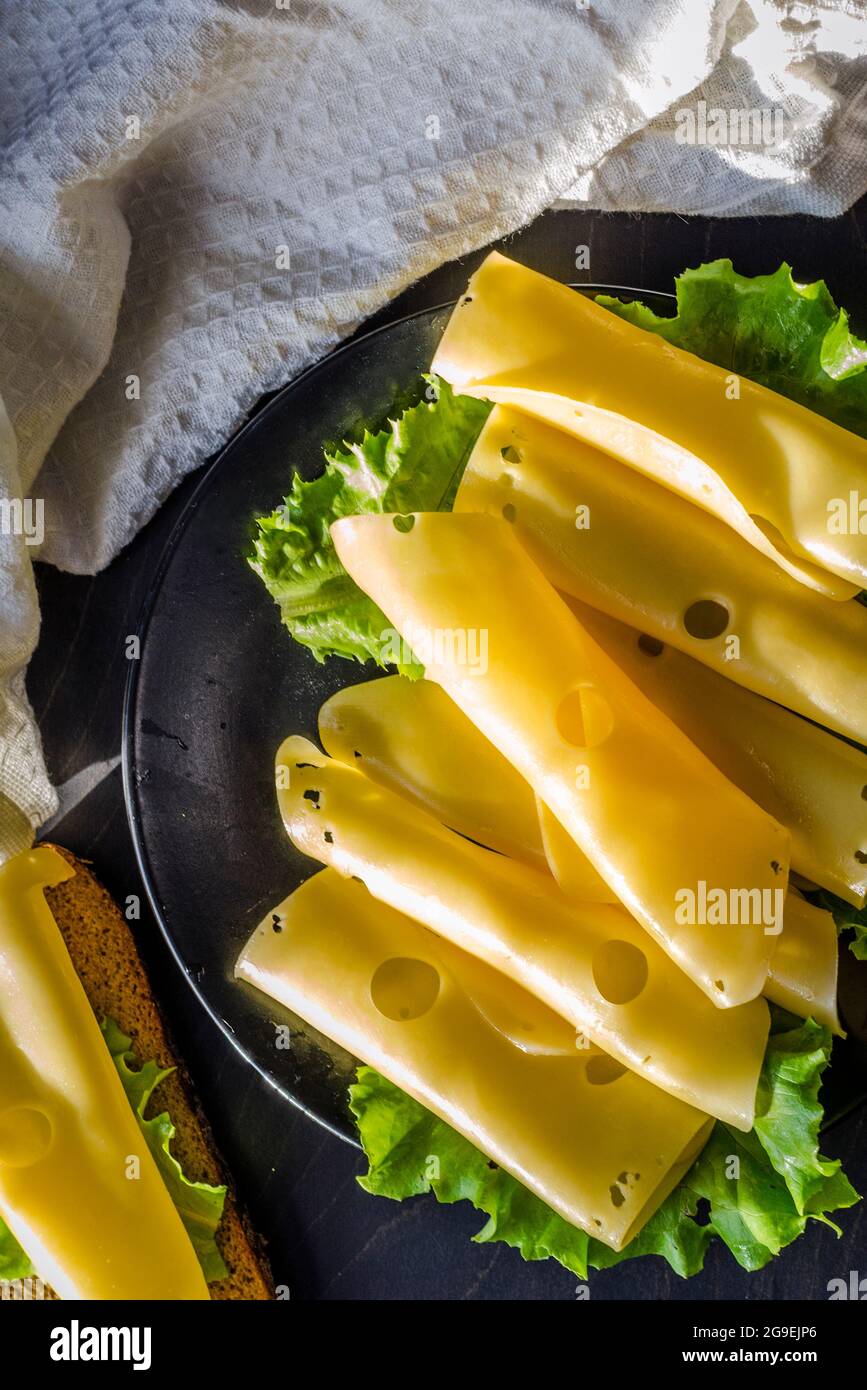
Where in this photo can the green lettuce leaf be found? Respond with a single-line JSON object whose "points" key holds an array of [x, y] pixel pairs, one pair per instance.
{"points": [[413, 465], [789, 337], [848, 919], [200, 1206], [756, 1192]]}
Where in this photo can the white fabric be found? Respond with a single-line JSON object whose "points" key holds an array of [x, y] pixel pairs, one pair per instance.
{"points": [[159, 155]]}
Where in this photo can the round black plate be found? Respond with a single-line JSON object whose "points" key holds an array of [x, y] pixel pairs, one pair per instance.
{"points": [[219, 685]]}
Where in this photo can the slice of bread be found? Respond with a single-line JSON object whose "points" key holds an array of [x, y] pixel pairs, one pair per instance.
{"points": [[107, 962]]}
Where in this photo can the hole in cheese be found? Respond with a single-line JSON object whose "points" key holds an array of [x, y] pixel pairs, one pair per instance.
{"points": [[584, 717], [706, 618], [511, 454], [864, 793], [651, 646], [509, 512], [619, 971], [601, 1070], [861, 856], [403, 989], [403, 523], [25, 1136]]}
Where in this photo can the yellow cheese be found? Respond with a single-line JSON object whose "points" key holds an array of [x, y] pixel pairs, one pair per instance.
{"points": [[410, 737], [590, 963], [649, 453], [623, 544], [779, 474], [811, 782], [79, 1189], [803, 976], [660, 824], [599, 1145], [416, 741], [571, 868]]}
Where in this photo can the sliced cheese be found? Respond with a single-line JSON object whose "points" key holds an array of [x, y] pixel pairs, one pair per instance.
{"points": [[632, 443], [79, 1189], [608, 536], [410, 737], [811, 782], [599, 1145], [803, 976], [657, 820], [571, 868], [590, 963], [778, 474]]}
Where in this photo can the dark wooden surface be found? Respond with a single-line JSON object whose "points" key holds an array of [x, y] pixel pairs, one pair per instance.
{"points": [[328, 1239]]}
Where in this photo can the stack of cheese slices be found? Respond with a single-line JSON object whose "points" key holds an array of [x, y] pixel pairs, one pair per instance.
{"points": [[563, 872]]}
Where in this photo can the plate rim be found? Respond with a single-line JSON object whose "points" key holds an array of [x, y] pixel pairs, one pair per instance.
{"points": [[131, 684]]}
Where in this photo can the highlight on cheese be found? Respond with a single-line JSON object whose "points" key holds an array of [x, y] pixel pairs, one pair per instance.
{"points": [[578, 868], [92, 1200]]}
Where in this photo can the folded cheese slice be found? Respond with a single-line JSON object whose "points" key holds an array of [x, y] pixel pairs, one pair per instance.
{"points": [[590, 963], [569, 865], [417, 742], [811, 782], [659, 823], [410, 737], [79, 1189], [598, 1144], [777, 473], [803, 976], [608, 536]]}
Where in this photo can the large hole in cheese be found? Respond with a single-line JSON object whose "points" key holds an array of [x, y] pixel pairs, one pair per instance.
{"points": [[619, 971], [584, 717], [403, 989], [706, 618], [25, 1136]]}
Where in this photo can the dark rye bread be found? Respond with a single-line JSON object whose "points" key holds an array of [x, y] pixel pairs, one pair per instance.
{"points": [[106, 960]]}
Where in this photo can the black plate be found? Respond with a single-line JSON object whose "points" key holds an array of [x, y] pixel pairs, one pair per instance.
{"points": [[219, 685]]}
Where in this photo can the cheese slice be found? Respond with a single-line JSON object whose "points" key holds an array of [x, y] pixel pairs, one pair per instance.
{"points": [[425, 748], [657, 820], [811, 782], [592, 964], [632, 443], [79, 1189], [608, 536], [601, 1146], [569, 865], [803, 976], [410, 737], [778, 474]]}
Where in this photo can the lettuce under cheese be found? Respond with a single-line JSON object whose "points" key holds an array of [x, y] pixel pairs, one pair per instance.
{"points": [[199, 1205], [755, 1192], [791, 338], [849, 919], [415, 464]]}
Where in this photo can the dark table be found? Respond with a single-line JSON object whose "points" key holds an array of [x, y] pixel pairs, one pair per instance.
{"points": [[329, 1239]]}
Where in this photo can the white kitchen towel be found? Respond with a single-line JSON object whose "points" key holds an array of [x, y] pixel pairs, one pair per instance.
{"points": [[199, 198]]}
